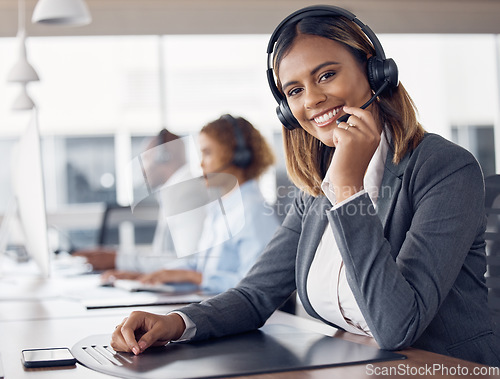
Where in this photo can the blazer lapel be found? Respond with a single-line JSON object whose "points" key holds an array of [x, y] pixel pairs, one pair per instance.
{"points": [[390, 187], [310, 238], [312, 233]]}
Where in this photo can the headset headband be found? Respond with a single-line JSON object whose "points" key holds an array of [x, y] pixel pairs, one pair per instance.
{"points": [[312, 11], [325, 10], [242, 156], [238, 134]]}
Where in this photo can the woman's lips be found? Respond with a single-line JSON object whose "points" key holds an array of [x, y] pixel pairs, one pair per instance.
{"points": [[327, 118]]}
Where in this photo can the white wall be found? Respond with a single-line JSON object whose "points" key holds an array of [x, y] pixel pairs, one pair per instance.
{"points": [[451, 78]]}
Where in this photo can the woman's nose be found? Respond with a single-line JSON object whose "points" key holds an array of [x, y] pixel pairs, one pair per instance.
{"points": [[314, 96]]}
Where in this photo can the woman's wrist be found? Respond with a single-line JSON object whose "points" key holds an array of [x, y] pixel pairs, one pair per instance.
{"points": [[196, 277], [179, 276], [176, 325]]}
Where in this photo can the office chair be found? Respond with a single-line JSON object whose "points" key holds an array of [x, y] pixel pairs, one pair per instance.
{"points": [[143, 219], [492, 236]]}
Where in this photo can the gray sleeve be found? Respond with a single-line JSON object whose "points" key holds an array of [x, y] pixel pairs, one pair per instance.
{"points": [[267, 285], [400, 297]]}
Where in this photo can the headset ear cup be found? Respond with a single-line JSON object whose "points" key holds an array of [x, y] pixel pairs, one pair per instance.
{"points": [[375, 70], [391, 72], [286, 116], [380, 71], [242, 158]]}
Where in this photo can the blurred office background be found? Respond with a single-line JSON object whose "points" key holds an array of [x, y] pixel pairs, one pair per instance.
{"points": [[141, 65]]}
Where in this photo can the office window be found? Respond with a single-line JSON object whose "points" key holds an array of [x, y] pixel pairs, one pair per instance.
{"points": [[448, 88], [99, 96], [480, 141], [90, 170], [206, 76], [138, 144], [96, 84]]}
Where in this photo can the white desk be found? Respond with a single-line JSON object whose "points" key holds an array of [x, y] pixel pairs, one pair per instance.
{"points": [[32, 298], [35, 321]]}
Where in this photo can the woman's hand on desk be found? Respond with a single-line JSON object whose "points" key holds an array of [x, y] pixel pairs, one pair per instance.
{"points": [[100, 259], [172, 276], [157, 277], [110, 276], [142, 329]]}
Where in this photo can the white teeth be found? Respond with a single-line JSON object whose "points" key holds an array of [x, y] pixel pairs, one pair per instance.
{"points": [[327, 116]]}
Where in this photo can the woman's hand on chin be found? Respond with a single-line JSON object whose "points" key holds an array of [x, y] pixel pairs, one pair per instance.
{"points": [[356, 140]]}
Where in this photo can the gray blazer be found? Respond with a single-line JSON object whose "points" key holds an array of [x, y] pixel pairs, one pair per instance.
{"points": [[416, 273]]}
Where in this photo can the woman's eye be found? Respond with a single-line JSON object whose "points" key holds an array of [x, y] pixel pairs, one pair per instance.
{"points": [[326, 76], [294, 92]]}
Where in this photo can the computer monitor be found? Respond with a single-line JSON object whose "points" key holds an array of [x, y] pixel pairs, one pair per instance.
{"points": [[29, 193]]}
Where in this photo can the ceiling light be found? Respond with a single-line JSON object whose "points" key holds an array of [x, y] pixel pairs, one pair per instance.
{"points": [[22, 71], [61, 12], [23, 101]]}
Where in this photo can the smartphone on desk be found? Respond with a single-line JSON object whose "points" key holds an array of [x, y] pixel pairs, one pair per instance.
{"points": [[53, 357]]}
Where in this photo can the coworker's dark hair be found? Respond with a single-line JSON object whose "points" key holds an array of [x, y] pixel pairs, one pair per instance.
{"points": [[175, 152], [222, 130], [306, 157]]}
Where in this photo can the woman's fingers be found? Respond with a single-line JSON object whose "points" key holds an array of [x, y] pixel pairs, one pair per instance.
{"points": [[362, 119], [161, 276], [118, 343], [355, 141], [124, 335], [112, 275], [360, 123], [152, 278], [142, 330], [154, 337]]}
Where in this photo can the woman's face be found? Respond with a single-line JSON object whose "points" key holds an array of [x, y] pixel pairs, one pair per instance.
{"points": [[320, 76], [213, 155]]}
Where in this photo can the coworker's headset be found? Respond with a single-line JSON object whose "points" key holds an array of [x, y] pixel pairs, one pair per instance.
{"points": [[382, 73], [242, 156]]}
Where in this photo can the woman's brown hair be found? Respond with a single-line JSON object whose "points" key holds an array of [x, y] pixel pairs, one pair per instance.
{"points": [[306, 157], [222, 130]]}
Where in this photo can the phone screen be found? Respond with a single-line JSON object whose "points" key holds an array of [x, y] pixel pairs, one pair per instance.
{"points": [[47, 357]]}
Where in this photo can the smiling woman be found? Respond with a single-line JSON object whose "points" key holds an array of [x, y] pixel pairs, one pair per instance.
{"points": [[387, 238], [340, 67]]}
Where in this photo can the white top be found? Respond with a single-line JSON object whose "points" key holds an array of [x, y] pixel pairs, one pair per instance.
{"points": [[237, 228], [327, 287]]}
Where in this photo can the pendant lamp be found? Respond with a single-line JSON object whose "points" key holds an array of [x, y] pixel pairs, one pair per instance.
{"points": [[61, 12], [23, 101], [22, 71]]}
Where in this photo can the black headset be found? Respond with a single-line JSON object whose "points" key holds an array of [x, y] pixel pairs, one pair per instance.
{"points": [[242, 156], [382, 73]]}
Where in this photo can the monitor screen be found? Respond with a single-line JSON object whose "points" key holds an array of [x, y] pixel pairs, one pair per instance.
{"points": [[28, 189]]}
